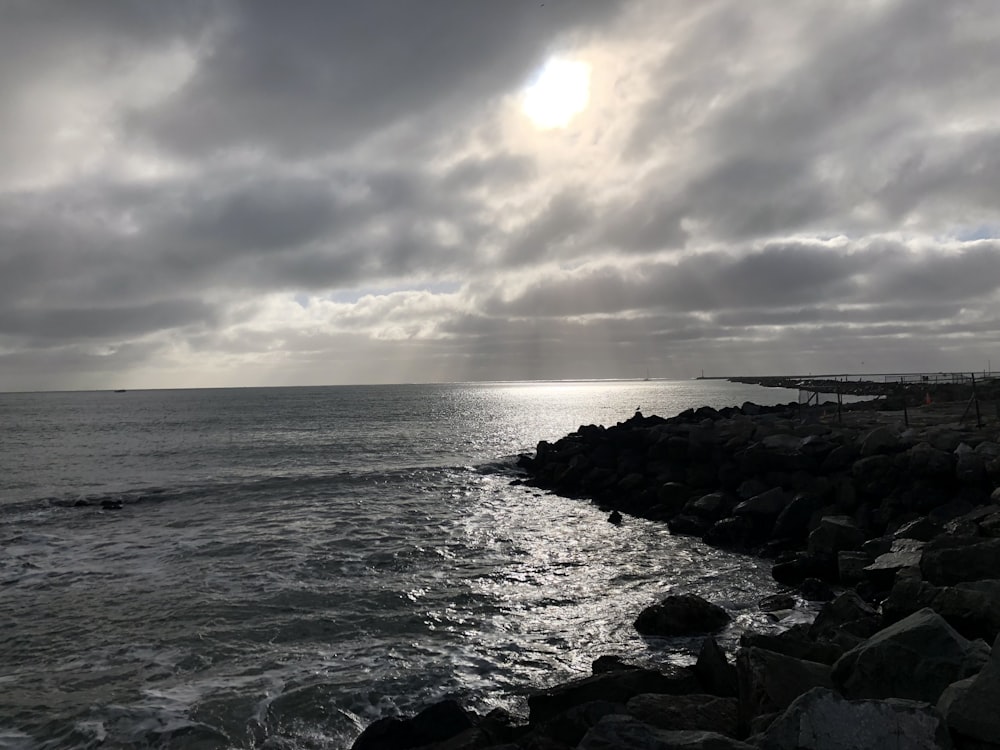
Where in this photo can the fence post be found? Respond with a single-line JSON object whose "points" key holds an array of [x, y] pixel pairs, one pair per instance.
{"points": [[975, 398]]}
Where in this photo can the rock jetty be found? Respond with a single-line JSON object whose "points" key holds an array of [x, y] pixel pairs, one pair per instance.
{"points": [[896, 526]]}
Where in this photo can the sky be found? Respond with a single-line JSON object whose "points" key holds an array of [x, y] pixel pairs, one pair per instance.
{"points": [[243, 193]]}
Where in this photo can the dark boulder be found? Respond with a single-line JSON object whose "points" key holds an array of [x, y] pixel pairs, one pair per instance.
{"points": [[570, 726], [970, 706], [614, 687], [972, 607], [684, 614], [946, 561], [822, 720], [915, 658], [769, 681], [619, 732], [835, 534], [697, 712], [436, 723]]}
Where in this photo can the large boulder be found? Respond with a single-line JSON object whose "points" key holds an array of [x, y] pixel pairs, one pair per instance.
{"points": [[972, 608], [769, 681], [946, 561], [970, 707], [569, 727], [847, 615], [915, 658], [614, 687], [684, 614], [702, 712], [618, 732], [822, 720], [880, 440]]}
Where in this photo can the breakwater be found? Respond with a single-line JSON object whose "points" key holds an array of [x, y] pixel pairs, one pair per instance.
{"points": [[897, 526]]}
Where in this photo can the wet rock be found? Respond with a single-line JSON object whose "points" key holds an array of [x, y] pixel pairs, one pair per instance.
{"points": [[111, 504], [697, 712], [713, 670], [777, 602], [436, 723], [915, 658], [609, 663], [617, 732], [615, 518], [794, 570], [821, 720], [614, 687], [793, 521], [684, 614]]}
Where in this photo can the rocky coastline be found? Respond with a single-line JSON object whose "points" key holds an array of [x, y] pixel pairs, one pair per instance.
{"points": [[891, 518]]}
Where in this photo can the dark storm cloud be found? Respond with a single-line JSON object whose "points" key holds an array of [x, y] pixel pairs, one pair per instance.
{"points": [[313, 76]]}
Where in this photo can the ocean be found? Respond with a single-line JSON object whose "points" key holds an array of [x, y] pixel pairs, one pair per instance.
{"points": [[289, 564]]}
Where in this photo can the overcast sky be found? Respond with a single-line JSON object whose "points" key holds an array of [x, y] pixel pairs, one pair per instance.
{"points": [[263, 193]]}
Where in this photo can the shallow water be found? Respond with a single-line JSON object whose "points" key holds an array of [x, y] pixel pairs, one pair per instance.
{"points": [[290, 564]]}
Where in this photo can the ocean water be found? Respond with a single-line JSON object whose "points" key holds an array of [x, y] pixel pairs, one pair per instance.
{"points": [[290, 564]]}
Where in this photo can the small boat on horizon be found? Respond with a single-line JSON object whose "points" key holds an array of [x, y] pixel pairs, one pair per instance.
{"points": [[120, 390]]}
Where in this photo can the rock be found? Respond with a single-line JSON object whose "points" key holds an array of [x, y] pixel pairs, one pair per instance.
{"points": [[921, 529], [769, 503], [570, 726], [916, 658], [815, 590], [927, 462], [949, 561], [688, 524], [685, 614], [971, 707], [769, 681], [711, 506], [972, 608], [835, 534], [714, 671], [615, 687], [751, 487], [609, 663], [795, 642], [822, 720], [793, 521], [793, 571], [904, 553], [847, 613], [436, 723], [875, 475], [851, 566], [615, 518], [949, 511], [970, 468], [879, 440], [698, 712], [777, 602], [618, 732], [111, 504]]}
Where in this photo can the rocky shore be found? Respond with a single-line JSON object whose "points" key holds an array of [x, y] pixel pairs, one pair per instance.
{"points": [[896, 526]]}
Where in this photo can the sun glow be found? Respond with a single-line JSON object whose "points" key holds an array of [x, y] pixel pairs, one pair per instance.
{"points": [[558, 93]]}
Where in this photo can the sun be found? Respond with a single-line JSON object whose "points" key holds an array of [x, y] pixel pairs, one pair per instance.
{"points": [[558, 93]]}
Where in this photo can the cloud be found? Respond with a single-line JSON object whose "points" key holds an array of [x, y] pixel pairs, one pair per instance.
{"points": [[249, 193]]}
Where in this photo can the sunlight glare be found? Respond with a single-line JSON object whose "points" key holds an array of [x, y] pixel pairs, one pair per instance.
{"points": [[559, 93]]}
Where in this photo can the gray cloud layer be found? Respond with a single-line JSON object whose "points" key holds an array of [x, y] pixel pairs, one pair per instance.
{"points": [[247, 193]]}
